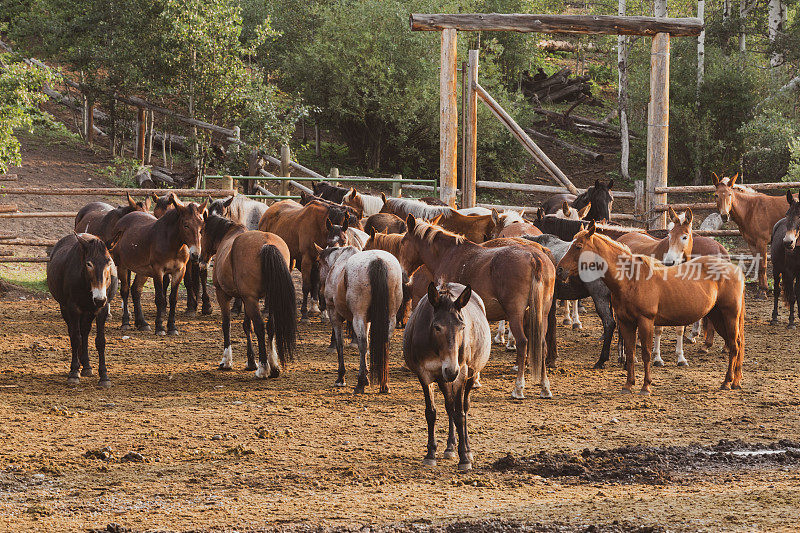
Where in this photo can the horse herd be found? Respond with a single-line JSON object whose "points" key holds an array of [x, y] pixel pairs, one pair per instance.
{"points": [[374, 263]]}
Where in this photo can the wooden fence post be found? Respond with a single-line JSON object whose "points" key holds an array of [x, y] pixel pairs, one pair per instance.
{"points": [[334, 174], [141, 128], [448, 118], [285, 170], [658, 128], [469, 193], [397, 187], [226, 183], [638, 198], [252, 170], [89, 110], [316, 139]]}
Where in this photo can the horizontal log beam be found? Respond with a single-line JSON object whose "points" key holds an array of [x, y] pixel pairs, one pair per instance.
{"points": [[28, 242], [699, 206], [582, 24], [14, 259], [120, 191], [710, 188], [531, 187], [8, 208], [8, 177], [41, 214]]}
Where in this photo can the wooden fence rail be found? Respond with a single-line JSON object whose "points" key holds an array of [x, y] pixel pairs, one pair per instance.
{"points": [[120, 191], [528, 187]]}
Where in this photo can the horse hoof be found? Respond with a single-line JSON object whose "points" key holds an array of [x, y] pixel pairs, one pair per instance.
{"points": [[644, 392], [546, 394], [449, 454], [577, 325], [773, 322], [726, 386], [515, 368], [599, 366], [261, 373], [206, 310], [73, 380], [517, 395], [498, 341], [226, 368], [87, 373], [275, 373], [477, 385], [464, 467], [429, 462], [125, 327], [791, 326], [683, 363], [566, 322], [172, 332], [339, 384], [658, 363], [511, 348], [736, 387], [190, 314], [358, 390], [384, 390], [106, 384], [161, 332], [626, 390], [248, 368], [144, 327], [331, 350]]}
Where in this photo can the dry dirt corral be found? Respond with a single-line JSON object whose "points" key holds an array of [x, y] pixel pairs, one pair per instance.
{"points": [[223, 450]]}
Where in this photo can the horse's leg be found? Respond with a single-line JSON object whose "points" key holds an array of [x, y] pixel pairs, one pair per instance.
{"points": [[627, 334], [237, 306], [206, 308], [314, 310], [791, 297], [762, 269], [447, 392], [251, 354], [646, 336], [500, 338], [567, 320], [191, 279], [464, 461], [603, 308], [576, 319], [657, 361], [337, 323], [73, 327], [161, 303], [86, 328], [173, 303], [727, 330], [468, 386], [511, 345], [679, 347], [306, 276], [136, 291], [693, 333], [516, 321], [550, 339], [124, 291], [361, 330], [776, 294], [224, 302], [100, 345], [253, 312], [430, 418]]}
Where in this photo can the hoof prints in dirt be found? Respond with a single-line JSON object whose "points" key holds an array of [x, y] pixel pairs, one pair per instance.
{"points": [[478, 526], [653, 465]]}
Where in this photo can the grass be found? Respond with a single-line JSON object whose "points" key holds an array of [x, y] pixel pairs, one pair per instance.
{"points": [[30, 276], [121, 173]]}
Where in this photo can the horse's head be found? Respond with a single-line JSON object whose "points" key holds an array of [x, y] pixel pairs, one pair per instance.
{"points": [[141, 205], [162, 204], [581, 255], [601, 199], [337, 234], [354, 200], [680, 238], [99, 270], [410, 256], [191, 218], [220, 207], [447, 328], [792, 222], [725, 195]]}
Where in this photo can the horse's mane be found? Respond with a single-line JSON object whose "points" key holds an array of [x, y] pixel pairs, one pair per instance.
{"points": [[389, 242], [419, 209], [738, 186], [217, 226], [623, 249], [427, 232]]}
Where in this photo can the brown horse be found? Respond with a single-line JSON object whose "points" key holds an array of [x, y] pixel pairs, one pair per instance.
{"points": [[364, 204], [385, 222], [512, 224], [754, 213], [476, 228], [516, 283], [447, 342], [646, 294], [154, 248], [82, 278], [250, 265], [100, 219]]}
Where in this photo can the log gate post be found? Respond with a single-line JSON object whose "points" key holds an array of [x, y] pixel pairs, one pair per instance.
{"points": [[448, 119], [285, 170], [469, 194], [658, 129]]}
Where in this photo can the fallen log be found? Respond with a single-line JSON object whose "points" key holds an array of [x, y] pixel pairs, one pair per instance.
{"points": [[591, 155], [576, 119], [8, 208], [566, 92], [144, 180]]}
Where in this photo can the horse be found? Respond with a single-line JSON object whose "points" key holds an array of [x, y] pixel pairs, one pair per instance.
{"points": [[238, 275], [338, 212], [402, 207], [153, 248], [390, 242], [786, 260], [82, 278], [476, 228], [385, 222], [246, 211], [754, 213], [645, 293], [572, 213], [511, 224], [329, 192], [516, 282], [447, 342], [100, 219], [475, 210], [566, 229], [599, 196], [366, 289], [365, 204]]}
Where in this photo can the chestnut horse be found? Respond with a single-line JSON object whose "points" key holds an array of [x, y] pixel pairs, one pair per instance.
{"points": [[476, 228], [599, 196], [511, 224], [385, 222], [365, 204], [250, 265], [645, 293], [100, 219], [447, 342], [754, 213], [365, 289], [786, 260], [516, 283], [154, 248], [82, 278]]}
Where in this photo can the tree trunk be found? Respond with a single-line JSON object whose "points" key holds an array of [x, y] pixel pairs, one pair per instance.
{"points": [[776, 18], [742, 17], [622, 96], [701, 66]]}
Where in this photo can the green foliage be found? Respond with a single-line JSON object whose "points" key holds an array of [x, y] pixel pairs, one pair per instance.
{"points": [[768, 138], [19, 94], [122, 172]]}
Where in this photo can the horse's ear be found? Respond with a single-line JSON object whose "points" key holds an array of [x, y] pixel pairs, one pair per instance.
{"points": [[204, 206], [565, 208], [463, 298], [318, 248], [673, 216], [714, 179], [733, 179], [146, 203], [228, 202], [371, 231], [539, 214], [433, 294], [790, 197], [174, 200], [83, 242], [688, 216], [610, 183], [154, 196], [592, 228], [205, 216], [585, 211], [113, 242], [597, 183], [410, 222], [328, 223], [436, 220], [383, 197], [495, 217], [131, 201]]}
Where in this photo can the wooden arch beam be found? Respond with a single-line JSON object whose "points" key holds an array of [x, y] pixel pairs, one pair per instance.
{"points": [[583, 24]]}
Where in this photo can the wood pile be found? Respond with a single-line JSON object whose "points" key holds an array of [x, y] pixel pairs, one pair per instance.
{"points": [[560, 87]]}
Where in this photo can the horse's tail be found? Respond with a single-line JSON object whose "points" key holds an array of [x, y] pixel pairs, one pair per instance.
{"points": [[537, 327], [378, 316], [280, 300]]}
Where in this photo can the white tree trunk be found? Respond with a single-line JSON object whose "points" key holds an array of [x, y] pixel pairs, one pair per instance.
{"points": [[776, 18], [726, 9], [701, 48], [660, 8], [622, 66], [742, 17]]}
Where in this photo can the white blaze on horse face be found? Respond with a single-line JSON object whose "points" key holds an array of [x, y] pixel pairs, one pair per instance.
{"points": [[194, 250], [790, 238], [101, 283]]}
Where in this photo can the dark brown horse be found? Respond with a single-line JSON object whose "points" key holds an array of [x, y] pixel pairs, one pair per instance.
{"points": [[786, 260], [447, 342], [100, 219], [153, 248], [82, 278], [250, 265], [329, 192], [516, 283], [599, 196]]}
